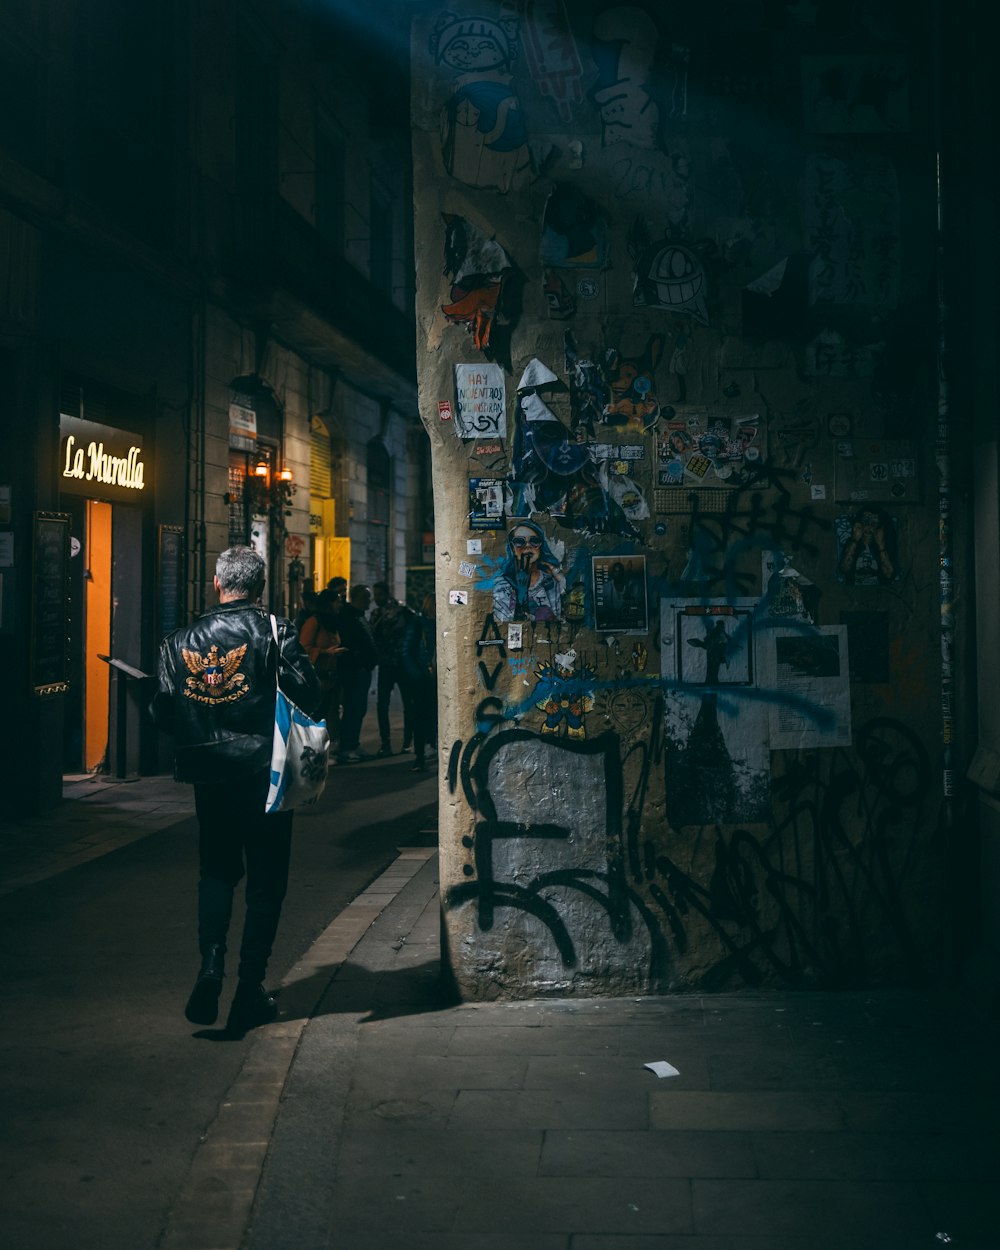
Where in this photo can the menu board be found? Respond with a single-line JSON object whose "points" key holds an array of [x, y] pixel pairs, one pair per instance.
{"points": [[170, 579], [50, 563]]}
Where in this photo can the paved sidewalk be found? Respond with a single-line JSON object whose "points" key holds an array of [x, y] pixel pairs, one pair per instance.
{"points": [[100, 815], [816, 1121]]}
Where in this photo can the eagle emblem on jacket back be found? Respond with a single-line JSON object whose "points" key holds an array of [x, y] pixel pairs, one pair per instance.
{"points": [[214, 678]]}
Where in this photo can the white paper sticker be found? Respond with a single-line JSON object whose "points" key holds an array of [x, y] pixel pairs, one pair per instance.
{"points": [[662, 1068], [514, 636], [467, 568], [474, 547], [817, 492], [458, 597]]}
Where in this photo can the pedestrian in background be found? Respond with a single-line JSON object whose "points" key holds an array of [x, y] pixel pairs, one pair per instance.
{"points": [[389, 623], [355, 666], [420, 660], [320, 639], [215, 694]]}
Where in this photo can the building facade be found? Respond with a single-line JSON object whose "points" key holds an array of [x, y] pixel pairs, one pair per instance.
{"points": [[208, 337]]}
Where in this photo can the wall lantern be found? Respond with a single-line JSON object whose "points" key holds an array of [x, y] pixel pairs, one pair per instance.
{"points": [[260, 469], [285, 475]]}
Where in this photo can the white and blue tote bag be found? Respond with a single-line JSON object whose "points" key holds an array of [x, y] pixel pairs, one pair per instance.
{"points": [[299, 753]]}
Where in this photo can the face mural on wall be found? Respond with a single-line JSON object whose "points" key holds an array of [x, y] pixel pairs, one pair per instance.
{"points": [[551, 471], [668, 275], [484, 141], [530, 584]]}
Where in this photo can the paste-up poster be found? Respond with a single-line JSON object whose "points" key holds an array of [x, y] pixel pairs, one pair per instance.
{"points": [[481, 399], [620, 594], [808, 675], [716, 756], [486, 503]]}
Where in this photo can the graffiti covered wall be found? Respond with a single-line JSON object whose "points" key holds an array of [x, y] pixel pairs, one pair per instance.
{"points": [[677, 363]]}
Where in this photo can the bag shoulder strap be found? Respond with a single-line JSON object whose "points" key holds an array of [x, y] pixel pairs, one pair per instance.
{"points": [[277, 650]]}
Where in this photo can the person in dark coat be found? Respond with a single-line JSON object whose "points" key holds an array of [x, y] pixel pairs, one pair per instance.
{"points": [[420, 659], [215, 694], [389, 623], [355, 666]]}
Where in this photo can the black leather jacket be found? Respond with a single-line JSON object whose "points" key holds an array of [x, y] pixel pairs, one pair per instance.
{"points": [[216, 687]]}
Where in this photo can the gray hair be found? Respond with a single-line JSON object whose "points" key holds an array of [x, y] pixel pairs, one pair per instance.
{"points": [[241, 571]]}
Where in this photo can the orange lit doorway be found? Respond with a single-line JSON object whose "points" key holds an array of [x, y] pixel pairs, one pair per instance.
{"points": [[87, 701], [97, 632]]}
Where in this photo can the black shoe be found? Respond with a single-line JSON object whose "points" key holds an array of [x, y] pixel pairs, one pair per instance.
{"points": [[203, 1005], [252, 1006], [384, 751]]}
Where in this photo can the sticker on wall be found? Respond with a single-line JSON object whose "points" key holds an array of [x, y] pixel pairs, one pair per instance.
{"points": [[856, 94], [559, 301], [474, 546], [620, 601], [629, 113], [574, 234], [458, 598], [530, 583], [668, 275], [867, 547], [468, 568], [551, 52], [565, 694], [701, 449], [514, 636], [479, 270], [486, 503], [784, 588], [481, 399], [716, 756], [880, 471], [485, 143], [445, 410], [633, 401]]}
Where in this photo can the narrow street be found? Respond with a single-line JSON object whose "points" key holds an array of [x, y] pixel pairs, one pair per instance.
{"points": [[106, 1089]]}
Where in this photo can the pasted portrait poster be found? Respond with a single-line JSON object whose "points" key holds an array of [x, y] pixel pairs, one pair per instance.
{"points": [[620, 594], [716, 756], [480, 401]]}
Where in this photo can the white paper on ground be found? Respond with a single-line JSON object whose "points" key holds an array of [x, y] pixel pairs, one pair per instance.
{"points": [[662, 1068]]}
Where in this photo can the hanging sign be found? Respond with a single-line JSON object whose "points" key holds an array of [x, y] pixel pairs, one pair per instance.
{"points": [[100, 461]]}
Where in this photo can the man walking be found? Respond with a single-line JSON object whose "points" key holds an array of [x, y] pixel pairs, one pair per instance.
{"points": [[389, 622], [215, 694], [354, 667]]}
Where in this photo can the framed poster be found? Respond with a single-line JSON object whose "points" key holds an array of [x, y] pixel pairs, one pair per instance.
{"points": [[620, 594], [49, 598]]}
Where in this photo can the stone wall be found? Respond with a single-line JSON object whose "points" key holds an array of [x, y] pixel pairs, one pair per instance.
{"points": [[676, 348]]}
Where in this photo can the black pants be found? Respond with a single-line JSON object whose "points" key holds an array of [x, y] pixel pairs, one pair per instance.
{"points": [[235, 836], [389, 675], [354, 685], [425, 713]]}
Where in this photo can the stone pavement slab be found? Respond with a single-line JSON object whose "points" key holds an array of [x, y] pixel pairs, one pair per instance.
{"points": [[408, 1121]]}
